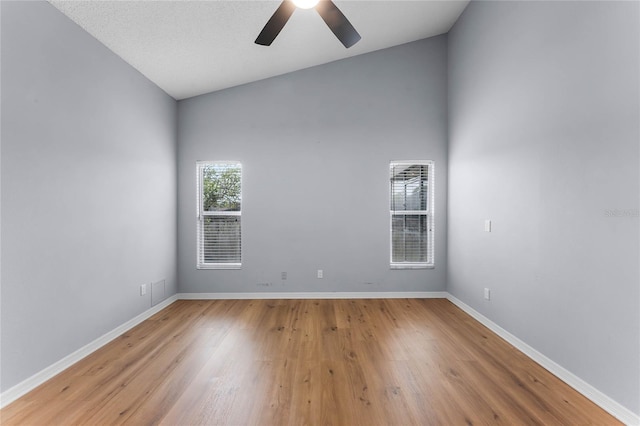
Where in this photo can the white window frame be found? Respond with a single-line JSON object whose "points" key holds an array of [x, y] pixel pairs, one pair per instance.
{"points": [[429, 213], [201, 214]]}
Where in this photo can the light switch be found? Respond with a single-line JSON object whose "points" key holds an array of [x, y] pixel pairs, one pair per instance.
{"points": [[487, 225]]}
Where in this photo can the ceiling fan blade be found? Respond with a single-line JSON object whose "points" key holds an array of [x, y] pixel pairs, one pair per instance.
{"points": [[338, 23], [276, 23]]}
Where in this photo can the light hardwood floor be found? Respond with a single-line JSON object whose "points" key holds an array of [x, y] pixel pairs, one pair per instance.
{"points": [[306, 362]]}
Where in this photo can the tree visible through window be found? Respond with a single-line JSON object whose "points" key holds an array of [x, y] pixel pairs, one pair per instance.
{"points": [[219, 215], [411, 188]]}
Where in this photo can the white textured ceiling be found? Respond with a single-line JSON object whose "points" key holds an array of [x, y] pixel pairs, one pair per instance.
{"points": [[193, 47]]}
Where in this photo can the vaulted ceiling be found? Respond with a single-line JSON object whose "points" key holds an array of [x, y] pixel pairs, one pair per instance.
{"points": [[193, 47]]}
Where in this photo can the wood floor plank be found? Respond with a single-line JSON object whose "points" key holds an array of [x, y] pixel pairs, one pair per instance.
{"points": [[306, 362]]}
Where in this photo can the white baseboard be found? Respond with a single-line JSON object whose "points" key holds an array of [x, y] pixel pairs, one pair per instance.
{"points": [[603, 401], [317, 295], [37, 379]]}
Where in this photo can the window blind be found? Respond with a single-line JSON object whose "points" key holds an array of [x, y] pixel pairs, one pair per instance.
{"points": [[411, 190], [219, 215]]}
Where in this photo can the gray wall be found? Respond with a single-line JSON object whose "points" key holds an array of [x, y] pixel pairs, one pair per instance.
{"points": [[315, 147], [544, 130], [88, 189]]}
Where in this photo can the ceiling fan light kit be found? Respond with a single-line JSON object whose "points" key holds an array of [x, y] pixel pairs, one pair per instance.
{"points": [[305, 4], [328, 11]]}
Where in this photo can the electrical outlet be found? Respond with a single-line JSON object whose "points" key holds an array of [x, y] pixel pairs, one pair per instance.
{"points": [[487, 294], [283, 276], [143, 289], [320, 273]]}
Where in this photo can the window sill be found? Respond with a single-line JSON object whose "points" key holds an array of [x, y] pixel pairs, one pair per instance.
{"points": [[220, 266], [412, 266]]}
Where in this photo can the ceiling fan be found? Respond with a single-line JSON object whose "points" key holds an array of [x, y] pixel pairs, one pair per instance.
{"points": [[329, 12]]}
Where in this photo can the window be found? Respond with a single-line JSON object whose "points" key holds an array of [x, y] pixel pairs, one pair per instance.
{"points": [[219, 214], [411, 199]]}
